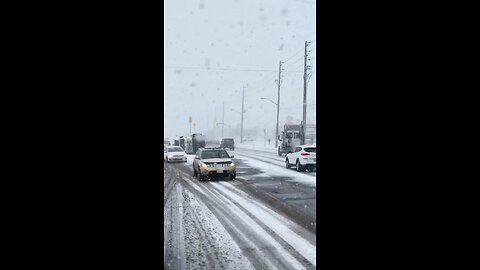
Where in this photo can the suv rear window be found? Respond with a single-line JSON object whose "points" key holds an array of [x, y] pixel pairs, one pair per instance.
{"points": [[310, 150], [215, 154]]}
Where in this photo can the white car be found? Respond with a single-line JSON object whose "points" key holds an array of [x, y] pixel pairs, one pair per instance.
{"points": [[174, 153], [304, 157]]}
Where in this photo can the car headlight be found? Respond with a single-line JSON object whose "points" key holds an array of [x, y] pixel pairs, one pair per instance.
{"points": [[204, 165], [232, 164], [170, 156]]}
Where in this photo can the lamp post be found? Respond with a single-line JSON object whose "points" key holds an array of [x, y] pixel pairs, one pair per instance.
{"points": [[278, 113]]}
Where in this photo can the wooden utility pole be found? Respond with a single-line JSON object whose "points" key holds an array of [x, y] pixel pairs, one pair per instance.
{"points": [[223, 117], [279, 82], [305, 79], [241, 124]]}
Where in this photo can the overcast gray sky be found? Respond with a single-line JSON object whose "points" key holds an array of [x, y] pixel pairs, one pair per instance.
{"points": [[215, 47]]}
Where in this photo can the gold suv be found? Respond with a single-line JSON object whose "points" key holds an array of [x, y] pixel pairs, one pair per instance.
{"points": [[213, 162]]}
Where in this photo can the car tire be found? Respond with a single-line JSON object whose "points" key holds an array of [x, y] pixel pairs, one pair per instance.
{"points": [[233, 176], [194, 172], [298, 166], [310, 168], [287, 164]]}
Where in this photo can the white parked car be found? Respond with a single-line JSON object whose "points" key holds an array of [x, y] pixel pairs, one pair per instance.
{"points": [[304, 157], [174, 153]]}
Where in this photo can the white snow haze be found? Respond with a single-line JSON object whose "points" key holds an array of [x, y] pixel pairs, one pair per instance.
{"points": [[215, 48]]}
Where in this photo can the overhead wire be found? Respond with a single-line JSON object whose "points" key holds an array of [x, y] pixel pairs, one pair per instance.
{"points": [[223, 69]]}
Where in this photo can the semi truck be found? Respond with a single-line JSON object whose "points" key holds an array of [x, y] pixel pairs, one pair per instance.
{"points": [[189, 145], [180, 141], [198, 141], [290, 138]]}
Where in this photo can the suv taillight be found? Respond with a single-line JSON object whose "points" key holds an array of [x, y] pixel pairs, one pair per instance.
{"points": [[304, 154]]}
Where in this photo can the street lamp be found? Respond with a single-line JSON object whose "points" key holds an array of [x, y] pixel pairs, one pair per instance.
{"points": [[270, 101], [278, 112]]}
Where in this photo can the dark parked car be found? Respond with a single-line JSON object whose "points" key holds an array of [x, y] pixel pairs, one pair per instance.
{"points": [[228, 143]]}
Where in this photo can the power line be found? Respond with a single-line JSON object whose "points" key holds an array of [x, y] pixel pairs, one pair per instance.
{"points": [[265, 83], [224, 69], [306, 2], [293, 63], [294, 68], [290, 58]]}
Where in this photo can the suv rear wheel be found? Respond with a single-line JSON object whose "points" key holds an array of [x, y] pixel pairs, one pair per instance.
{"points": [[299, 166]]}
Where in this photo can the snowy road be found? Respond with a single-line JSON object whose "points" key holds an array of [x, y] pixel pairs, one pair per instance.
{"points": [[272, 158], [232, 224]]}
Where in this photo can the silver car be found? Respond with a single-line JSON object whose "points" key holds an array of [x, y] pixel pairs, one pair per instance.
{"points": [[174, 153]]}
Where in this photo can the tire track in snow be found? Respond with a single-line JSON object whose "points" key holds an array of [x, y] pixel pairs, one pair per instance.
{"points": [[169, 183], [289, 210], [295, 227], [271, 248], [194, 238], [240, 239], [208, 248], [304, 261], [174, 241]]}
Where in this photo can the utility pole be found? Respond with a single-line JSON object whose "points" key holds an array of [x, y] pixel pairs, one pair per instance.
{"points": [[223, 117], [190, 122], [279, 82], [305, 78], [264, 137], [215, 122], [241, 124]]}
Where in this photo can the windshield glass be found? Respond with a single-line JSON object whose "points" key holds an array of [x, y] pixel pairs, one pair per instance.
{"points": [[214, 154], [175, 149]]}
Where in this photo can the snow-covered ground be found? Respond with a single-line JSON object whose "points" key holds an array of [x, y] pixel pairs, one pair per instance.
{"points": [[258, 146], [214, 225], [272, 170], [261, 146]]}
